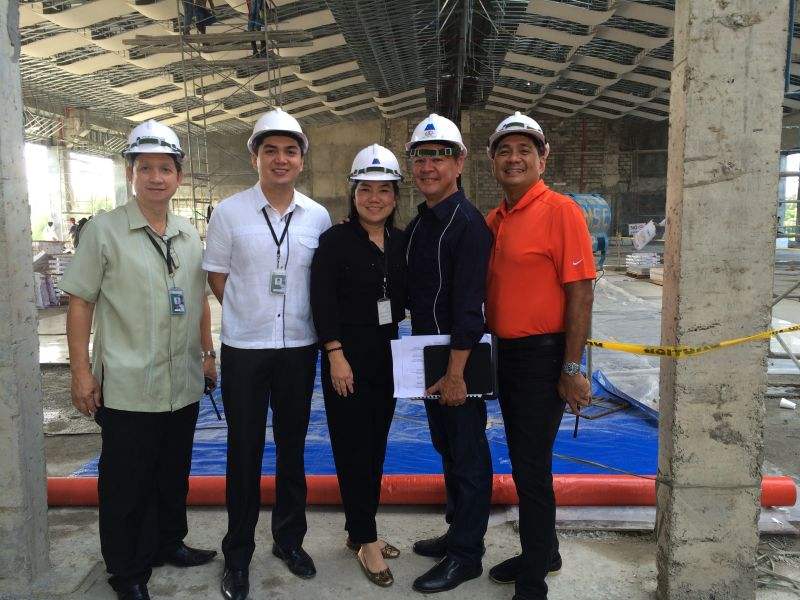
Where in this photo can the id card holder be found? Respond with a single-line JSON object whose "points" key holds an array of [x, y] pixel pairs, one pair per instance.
{"points": [[277, 282], [384, 311], [177, 303]]}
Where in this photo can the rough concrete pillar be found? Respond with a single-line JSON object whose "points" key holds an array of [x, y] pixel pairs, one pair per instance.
{"points": [[725, 119], [120, 182], [65, 201], [397, 137], [23, 507]]}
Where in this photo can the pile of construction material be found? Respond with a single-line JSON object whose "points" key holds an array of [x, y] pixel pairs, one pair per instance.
{"points": [[48, 271], [59, 264], [657, 275], [638, 264]]}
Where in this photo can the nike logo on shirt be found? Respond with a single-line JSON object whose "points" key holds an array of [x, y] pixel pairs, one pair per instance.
{"points": [[575, 263]]}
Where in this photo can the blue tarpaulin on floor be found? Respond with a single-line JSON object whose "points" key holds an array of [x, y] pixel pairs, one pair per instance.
{"points": [[626, 440]]}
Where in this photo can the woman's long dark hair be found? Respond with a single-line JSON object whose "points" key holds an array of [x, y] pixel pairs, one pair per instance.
{"points": [[353, 215]]}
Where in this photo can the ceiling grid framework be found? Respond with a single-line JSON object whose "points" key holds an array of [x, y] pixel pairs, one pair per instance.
{"points": [[353, 59], [90, 42], [606, 58]]}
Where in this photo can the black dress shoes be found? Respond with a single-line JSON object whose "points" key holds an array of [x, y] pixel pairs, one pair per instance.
{"points": [[447, 574], [436, 547], [297, 559], [508, 570], [432, 548], [184, 556], [137, 591], [235, 584]]}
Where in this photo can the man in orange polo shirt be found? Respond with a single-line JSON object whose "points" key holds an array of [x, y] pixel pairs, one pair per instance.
{"points": [[539, 304]]}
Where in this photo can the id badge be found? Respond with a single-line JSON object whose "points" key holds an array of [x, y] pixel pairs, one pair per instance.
{"points": [[177, 304], [277, 282], [384, 311]]}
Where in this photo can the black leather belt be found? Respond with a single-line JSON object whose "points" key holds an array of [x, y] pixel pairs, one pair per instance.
{"points": [[532, 342]]}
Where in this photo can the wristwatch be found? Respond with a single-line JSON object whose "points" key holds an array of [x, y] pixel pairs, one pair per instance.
{"points": [[208, 354], [571, 368]]}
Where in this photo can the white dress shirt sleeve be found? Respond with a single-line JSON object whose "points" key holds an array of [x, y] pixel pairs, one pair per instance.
{"points": [[326, 224], [217, 256]]}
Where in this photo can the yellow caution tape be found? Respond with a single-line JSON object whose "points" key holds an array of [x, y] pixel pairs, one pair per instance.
{"points": [[686, 351]]}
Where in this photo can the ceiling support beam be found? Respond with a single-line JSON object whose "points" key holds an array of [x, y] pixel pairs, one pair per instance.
{"points": [[466, 24]]}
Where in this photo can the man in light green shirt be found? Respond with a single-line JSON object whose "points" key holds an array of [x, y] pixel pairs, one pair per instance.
{"points": [[144, 358], [138, 272]]}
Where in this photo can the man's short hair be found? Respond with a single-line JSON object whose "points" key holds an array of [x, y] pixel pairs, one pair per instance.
{"points": [[261, 137]]}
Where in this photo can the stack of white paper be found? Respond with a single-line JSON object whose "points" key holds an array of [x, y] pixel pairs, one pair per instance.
{"points": [[408, 364]]}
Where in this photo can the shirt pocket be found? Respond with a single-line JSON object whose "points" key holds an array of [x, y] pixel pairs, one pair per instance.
{"points": [[307, 243], [253, 253]]}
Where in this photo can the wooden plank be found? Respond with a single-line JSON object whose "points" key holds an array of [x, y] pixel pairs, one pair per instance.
{"points": [[142, 51], [247, 61], [289, 39]]}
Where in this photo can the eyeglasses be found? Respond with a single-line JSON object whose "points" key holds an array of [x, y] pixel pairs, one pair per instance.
{"points": [[432, 152]]}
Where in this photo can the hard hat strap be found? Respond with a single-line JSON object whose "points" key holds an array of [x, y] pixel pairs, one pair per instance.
{"points": [[155, 141], [374, 169], [518, 125], [515, 124]]}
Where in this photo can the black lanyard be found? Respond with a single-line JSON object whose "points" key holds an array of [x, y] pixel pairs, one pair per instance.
{"points": [[278, 242], [168, 256], [385, 263]]}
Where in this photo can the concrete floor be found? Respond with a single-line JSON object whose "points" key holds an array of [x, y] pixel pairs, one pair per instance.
{"points": [[597, 564]]}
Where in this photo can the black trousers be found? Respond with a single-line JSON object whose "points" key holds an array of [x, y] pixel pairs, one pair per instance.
{"points": [[458, 434], [359, 429], [528, 373], [142, 486], [252, 382]]}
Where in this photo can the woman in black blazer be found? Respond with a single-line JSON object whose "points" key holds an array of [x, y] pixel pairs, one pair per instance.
{"points": [[358, 292]]}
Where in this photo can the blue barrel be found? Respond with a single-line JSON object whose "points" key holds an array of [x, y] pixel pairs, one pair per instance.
{"points": [[598, 218]]}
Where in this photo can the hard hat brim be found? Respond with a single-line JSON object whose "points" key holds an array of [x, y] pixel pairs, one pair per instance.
{"points": [[375, 177], [152, 149]]}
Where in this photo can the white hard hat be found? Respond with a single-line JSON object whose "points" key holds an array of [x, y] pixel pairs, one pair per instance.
{"points": [[278, 122], [436, 128], [517, 123], [375, 163], [153, 137]]}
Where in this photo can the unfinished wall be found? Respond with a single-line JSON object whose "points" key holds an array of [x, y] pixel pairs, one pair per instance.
{"points": [[623, 160]]}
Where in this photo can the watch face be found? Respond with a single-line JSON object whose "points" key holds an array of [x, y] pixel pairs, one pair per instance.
{"points": [[571, 368]]}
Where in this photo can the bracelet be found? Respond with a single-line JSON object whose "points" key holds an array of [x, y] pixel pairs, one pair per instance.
{"points": [[329, 350], [208, 354]]}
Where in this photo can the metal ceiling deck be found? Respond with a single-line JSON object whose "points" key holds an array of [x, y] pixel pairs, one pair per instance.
{"points": [[364, 58]]}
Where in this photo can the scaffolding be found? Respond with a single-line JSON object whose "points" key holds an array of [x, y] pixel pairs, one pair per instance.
{"points": [[212, 71]]}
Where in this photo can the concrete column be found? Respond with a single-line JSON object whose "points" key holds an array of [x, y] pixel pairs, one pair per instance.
{"points": [[23, 507], [120, 182], [65, 201], [725, 119]]}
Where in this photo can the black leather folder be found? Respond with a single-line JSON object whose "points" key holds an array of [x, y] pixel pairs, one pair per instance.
{"points": [[479, 373]]}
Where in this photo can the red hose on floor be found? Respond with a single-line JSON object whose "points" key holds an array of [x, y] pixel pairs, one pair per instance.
{"points": [[571, 490]]}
